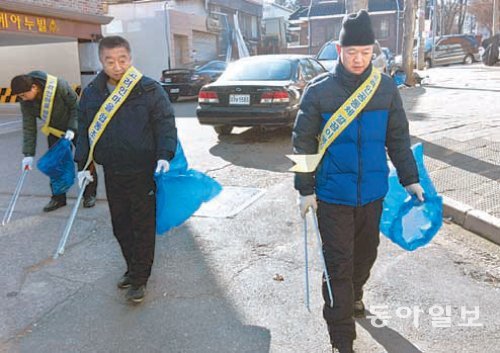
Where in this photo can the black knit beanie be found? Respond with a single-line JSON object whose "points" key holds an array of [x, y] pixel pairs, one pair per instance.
{"points": [[356, 30], [21, 84]]}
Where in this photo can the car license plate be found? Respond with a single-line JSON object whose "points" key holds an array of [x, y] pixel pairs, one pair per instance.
{"points": [[239, 99], [168, 80], [174, 90]]}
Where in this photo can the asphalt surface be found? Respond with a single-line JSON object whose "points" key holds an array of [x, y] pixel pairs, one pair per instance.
{"points": [[236, 284]]}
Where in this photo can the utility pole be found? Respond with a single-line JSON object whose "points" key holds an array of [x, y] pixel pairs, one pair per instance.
{"points": [[397, 27], [434, 27], [409, 32], [166, 14], [421, 37], [309, 29], [356, 5], [494, 24]]}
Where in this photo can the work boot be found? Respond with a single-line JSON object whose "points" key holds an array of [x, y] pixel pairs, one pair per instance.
{"points": [[359, 308], [89, 201], [54, 204], [136, 294], [124, 282], [342, 347]]}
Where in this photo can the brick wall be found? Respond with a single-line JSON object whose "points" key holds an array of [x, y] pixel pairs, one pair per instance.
{"points": [[89, 7]]}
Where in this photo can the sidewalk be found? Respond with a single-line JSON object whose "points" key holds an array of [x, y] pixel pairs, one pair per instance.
{"points": [[226, 285], [457, 118]]}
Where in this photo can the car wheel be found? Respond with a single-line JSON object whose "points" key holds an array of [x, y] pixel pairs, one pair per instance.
{"points": [[223, 129], [428, 64], [469, 59], [173, 97]]}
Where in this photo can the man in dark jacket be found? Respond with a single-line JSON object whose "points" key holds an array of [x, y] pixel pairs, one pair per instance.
{"points": [[61, 121], [127, 125], [351, 180]]}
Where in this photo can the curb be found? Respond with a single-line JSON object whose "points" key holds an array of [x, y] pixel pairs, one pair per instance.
{"points": [[476, 221]]}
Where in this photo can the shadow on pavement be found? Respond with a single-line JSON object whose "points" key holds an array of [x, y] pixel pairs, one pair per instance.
{"points": [[459, 160], [185, 309], [410, 98], [257, 148], [391, 340]]}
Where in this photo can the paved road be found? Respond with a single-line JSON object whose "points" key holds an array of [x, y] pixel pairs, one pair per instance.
{"points": [[228, 284]]}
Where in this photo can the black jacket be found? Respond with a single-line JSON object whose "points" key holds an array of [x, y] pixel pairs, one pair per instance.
{"points": [[141, 132], [64, 111]]}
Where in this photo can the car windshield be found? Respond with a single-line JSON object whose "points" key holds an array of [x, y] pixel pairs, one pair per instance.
{"points": [[329, 52], [259, 70]]}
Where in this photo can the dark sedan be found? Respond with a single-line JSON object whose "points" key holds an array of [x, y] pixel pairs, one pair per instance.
{"points": [[258, 90], [188, 81]]}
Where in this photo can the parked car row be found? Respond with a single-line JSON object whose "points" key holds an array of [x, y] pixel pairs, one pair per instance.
{"points": [[449, 49], [265, 90], [188, 81], [262, 90]]}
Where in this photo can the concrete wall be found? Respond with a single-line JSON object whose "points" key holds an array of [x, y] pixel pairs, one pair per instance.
{"points": [[59, 59], [143, 25]]}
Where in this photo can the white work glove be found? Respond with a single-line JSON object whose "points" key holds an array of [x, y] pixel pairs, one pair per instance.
{"points": [[305, 202], [69, 135], [27, 163], [162, 166], [416, 189], [84, 175]]}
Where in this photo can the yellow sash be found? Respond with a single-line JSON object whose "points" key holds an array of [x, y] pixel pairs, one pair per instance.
{"points": [[110, 106], [46, 107], [352, 107]]}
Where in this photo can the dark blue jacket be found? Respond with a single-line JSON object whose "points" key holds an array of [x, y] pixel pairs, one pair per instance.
{"points": [[354, 169], [141, 132]]}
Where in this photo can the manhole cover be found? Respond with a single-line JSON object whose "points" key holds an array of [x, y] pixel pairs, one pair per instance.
{"points": [[231, 201]]}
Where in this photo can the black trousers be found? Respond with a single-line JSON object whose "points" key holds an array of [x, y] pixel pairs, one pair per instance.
{"points": [[132, 203], [350, 238], [90, 190]]}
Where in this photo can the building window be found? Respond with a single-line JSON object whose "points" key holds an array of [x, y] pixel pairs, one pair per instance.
{"points": [[383, 29], [248, 26], [254, 27]]}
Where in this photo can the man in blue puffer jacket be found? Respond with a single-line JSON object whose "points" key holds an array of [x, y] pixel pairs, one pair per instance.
{"points": [[348, 186]]}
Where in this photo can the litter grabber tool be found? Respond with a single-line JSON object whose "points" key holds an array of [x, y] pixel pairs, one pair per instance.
{"points": [[69, 225], [323, 261], [306, 267], [15, 196]]}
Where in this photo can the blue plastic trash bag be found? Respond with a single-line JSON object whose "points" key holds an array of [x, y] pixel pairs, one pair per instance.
{"points": [[180, 192], [179, 163], [405, 220], [399, 78], [57, 163]]}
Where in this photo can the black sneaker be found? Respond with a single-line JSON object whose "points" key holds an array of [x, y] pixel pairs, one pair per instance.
{"points": [[342, 347], [359, 308], [124, 282], [54, 205], [89, 201], [136, 294]]}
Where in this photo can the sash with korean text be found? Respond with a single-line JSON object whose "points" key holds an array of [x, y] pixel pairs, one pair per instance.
{"points": [[338, 122], [46, 107], [110, 106]]}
